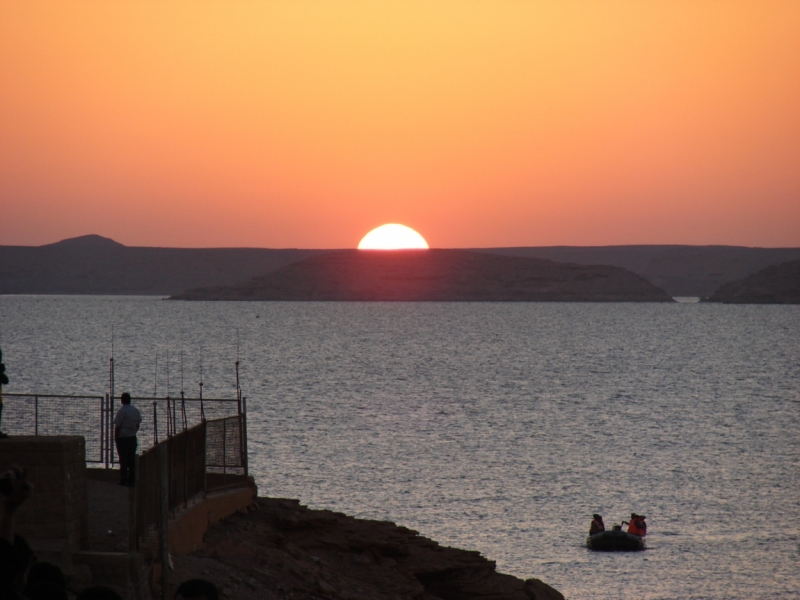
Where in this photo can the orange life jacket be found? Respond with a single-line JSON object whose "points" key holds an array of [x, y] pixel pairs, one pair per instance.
{"points": [[637, 527]]}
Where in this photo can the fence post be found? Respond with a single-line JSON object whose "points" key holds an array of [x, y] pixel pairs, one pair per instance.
{"points": [[155, 423], [163, 519], [110, 430], [185, 467], [102, 433], [133, 533], [205, 460], [243, 435], [183, 411], [104, 426], [224, 451]]}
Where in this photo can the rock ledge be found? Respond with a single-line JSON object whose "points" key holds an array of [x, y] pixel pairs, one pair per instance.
{"points": [[281, 549]]}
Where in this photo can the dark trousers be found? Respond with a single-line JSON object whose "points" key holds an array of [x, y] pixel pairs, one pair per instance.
{"points": [[126, 448]]}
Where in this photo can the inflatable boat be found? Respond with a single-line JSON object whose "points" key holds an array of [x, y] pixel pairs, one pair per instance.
{"points": [[615, 540]]}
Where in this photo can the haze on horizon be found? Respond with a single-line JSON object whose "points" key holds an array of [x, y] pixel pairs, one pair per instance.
{"points": [[477, 123]]}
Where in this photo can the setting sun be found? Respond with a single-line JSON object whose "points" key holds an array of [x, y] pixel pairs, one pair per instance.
{"points": [[393, 237]]}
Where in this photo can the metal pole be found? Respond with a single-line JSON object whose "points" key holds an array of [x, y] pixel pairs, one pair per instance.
{"points": [[202, 412], [243, 421], [106, 458], [224, 451], [205, 449], [155, 423], [183, 410], [163, 521], [185, 467], [168, 418], [102, 431], [133, 533], [111, 436]]}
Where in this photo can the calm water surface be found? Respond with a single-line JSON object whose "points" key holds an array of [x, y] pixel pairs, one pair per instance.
{"points": [[496, 427]]}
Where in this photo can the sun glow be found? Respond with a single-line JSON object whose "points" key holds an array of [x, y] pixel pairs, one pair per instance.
{"points": [[393, 237]]}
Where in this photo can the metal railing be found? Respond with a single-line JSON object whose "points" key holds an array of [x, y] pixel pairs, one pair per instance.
{"points": [[208, 456], [92, 416], [59, 414]]}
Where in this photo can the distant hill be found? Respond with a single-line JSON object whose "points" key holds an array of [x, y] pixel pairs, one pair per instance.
{"points": [[94, 264], [97, 265], [437, 275], [679, 270], [777, 284], [86, 241]]}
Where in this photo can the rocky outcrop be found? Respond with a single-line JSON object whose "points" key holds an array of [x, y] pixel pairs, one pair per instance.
{"points": [[777, 284], [281, 549], [437, 275]]}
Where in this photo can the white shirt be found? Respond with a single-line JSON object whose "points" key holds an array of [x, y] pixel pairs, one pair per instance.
{"points": [[128, 420]]}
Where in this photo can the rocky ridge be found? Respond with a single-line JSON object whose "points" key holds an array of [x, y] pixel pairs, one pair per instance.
{"points": [[776, 284], [281, 549]]}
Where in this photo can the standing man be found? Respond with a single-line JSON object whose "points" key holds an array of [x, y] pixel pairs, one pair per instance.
{"points": [[126, 424]]}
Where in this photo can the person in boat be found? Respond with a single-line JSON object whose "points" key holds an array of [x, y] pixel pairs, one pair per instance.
{"points": [[636, 525], [597, 525]]}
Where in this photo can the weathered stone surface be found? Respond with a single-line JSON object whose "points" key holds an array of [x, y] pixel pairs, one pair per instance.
{"points": [[438, 275], [57, 510], [776, 284], [281, 549]]}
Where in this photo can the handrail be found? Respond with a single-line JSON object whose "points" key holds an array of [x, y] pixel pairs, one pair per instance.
{"points": [[99, 396], [37, 395]]}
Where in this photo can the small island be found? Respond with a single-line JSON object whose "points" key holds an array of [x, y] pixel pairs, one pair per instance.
{"points": [[439, 276], [776, 284]]}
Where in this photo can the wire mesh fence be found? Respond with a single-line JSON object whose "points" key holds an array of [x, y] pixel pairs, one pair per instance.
{"points": [[166, 417], [184, 477], [206, 457], [226, 464], [50, 414]]}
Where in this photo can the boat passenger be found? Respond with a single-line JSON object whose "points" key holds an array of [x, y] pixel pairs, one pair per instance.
{"points": [[642, 524], [636, 525], [597, 524]]}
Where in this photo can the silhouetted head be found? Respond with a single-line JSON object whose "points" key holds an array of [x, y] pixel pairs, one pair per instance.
{"points": [[634, 515], [198, 589], [125, 398], [597, 517], [46, 590], [45, 572]]}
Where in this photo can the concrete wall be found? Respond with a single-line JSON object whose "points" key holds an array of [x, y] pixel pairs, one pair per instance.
{"points": [[187, 528], [55, 517]]}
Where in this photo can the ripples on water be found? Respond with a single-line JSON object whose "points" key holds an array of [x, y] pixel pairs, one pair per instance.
{"points": [[496, 427]]}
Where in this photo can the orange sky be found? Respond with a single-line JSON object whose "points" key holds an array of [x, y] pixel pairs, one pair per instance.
{"points": [[492, 123]]}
